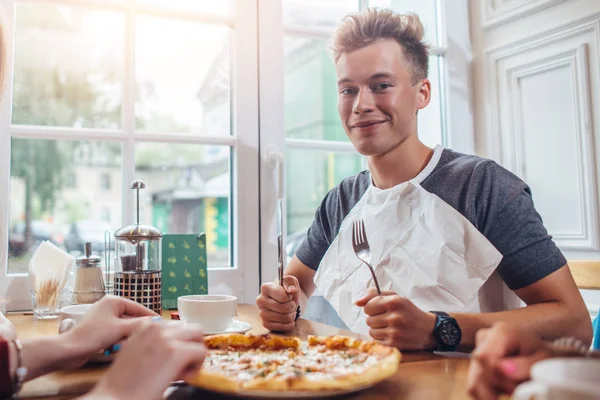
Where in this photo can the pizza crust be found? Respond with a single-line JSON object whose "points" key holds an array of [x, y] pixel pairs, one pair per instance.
{"points": [[386, 365]]}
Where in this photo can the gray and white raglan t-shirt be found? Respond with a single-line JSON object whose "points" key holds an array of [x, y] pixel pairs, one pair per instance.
{"points": [[494, 200]]}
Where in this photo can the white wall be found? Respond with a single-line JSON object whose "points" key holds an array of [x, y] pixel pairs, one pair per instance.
{"points": [[536, 79]]}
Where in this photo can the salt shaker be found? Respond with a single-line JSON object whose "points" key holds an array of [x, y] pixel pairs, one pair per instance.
{"points": [[89, 283]]}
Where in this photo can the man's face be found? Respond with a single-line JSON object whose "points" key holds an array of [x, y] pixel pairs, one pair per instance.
{"points": [[377, 101]]}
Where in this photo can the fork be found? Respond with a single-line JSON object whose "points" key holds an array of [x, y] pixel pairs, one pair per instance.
{"points": [[362, 249]]}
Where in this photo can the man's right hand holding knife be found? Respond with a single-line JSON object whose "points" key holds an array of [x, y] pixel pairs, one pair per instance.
{"points": [[278, 304]]}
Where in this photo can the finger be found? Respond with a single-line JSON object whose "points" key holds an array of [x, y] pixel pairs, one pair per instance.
{"points": [[494, 381], [371, 293], [187, 333], [377, 305], [291, 284], [131, 325], [495, 345], [482, 381], [279, 327], [473, 377], [270, 316], [518, 368], [275, 292], [484, 392], [377, 322], [378, 334], [126, 307], [265, 303], [478, 387], [292, 287], [481, 336], [190, 356]]}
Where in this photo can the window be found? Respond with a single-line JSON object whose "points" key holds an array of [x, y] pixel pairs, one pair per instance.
{"points": [[310, 97], [317, 154], [148, 93], [177, 94]]}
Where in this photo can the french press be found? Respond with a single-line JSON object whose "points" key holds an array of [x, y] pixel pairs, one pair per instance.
{"points": [[138, 261]]}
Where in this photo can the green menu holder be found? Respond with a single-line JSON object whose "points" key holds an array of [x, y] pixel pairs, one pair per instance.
{"points": [[183, 267]]}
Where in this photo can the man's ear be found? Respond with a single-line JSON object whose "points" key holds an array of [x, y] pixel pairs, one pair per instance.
{"points": [[424, 94]]}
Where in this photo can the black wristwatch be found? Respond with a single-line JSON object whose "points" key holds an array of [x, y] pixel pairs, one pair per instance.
{"points": [[447, 333]]}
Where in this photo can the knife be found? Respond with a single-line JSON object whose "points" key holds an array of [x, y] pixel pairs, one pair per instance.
{"points": [[280, 242]]}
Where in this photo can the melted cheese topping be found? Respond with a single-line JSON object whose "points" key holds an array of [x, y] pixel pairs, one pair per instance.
{"points": [[314, 363]]}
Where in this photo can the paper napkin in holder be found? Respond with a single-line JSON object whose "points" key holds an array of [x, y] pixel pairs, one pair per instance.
{"points": [[48, 271]]}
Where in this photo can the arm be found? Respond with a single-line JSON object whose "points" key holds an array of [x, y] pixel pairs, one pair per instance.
{"points": [[505, 355], [532, 266], [107, 322], [46, 354], [7, 330], [554, 309]]}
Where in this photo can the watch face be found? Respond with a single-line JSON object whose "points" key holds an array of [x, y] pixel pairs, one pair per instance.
{"points": [[449, 333]]}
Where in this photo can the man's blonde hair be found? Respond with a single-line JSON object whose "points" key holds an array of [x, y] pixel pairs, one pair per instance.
{"points": [[362, 29]]}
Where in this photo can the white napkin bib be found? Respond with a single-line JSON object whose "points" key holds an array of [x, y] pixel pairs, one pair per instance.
{"points": [[421, 248]]}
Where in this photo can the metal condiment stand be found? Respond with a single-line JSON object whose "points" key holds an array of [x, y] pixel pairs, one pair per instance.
{"points": [[138, 261]]}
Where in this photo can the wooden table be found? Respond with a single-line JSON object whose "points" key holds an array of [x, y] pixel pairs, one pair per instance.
{"points": [[421, 375]]}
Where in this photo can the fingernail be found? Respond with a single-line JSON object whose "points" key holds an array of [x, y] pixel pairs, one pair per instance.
{"points": [[112, 349], [158, 318], [291, 287], [508, 367]]}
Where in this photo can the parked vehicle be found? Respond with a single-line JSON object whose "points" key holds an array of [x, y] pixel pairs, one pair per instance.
{"points": [[40, 231], [83, 231]]}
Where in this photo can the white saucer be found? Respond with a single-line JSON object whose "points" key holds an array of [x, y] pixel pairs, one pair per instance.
{"points": [[235, 327]]}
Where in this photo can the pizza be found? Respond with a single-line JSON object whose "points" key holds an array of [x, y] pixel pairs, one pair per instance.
{"points": [[244, 363]]}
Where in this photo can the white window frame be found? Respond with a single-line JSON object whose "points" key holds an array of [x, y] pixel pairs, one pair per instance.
{"points": [[456, 119], [242, 279]]}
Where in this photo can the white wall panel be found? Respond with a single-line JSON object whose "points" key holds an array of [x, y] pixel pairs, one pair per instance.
{"points": [[541, 118], [496, 12], [536, 80], [548, 147]]}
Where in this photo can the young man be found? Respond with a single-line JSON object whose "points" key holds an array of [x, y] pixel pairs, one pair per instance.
{"points": [[456, 242]]}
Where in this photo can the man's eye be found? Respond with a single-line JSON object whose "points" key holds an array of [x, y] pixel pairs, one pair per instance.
{"points": [[347, 91], [382, 86]]}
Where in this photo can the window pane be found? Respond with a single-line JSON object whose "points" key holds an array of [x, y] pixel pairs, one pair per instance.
{"points": [[310, 91], [430, 118], [68, 66], [309, 176], [222, 7], [317, 13], [425, 9], [182, 74], [188, 189], [57, 194]]}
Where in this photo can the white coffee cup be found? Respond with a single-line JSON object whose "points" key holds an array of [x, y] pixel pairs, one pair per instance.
{"points": [[70, 315], [215, 312], [562, 378]]}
